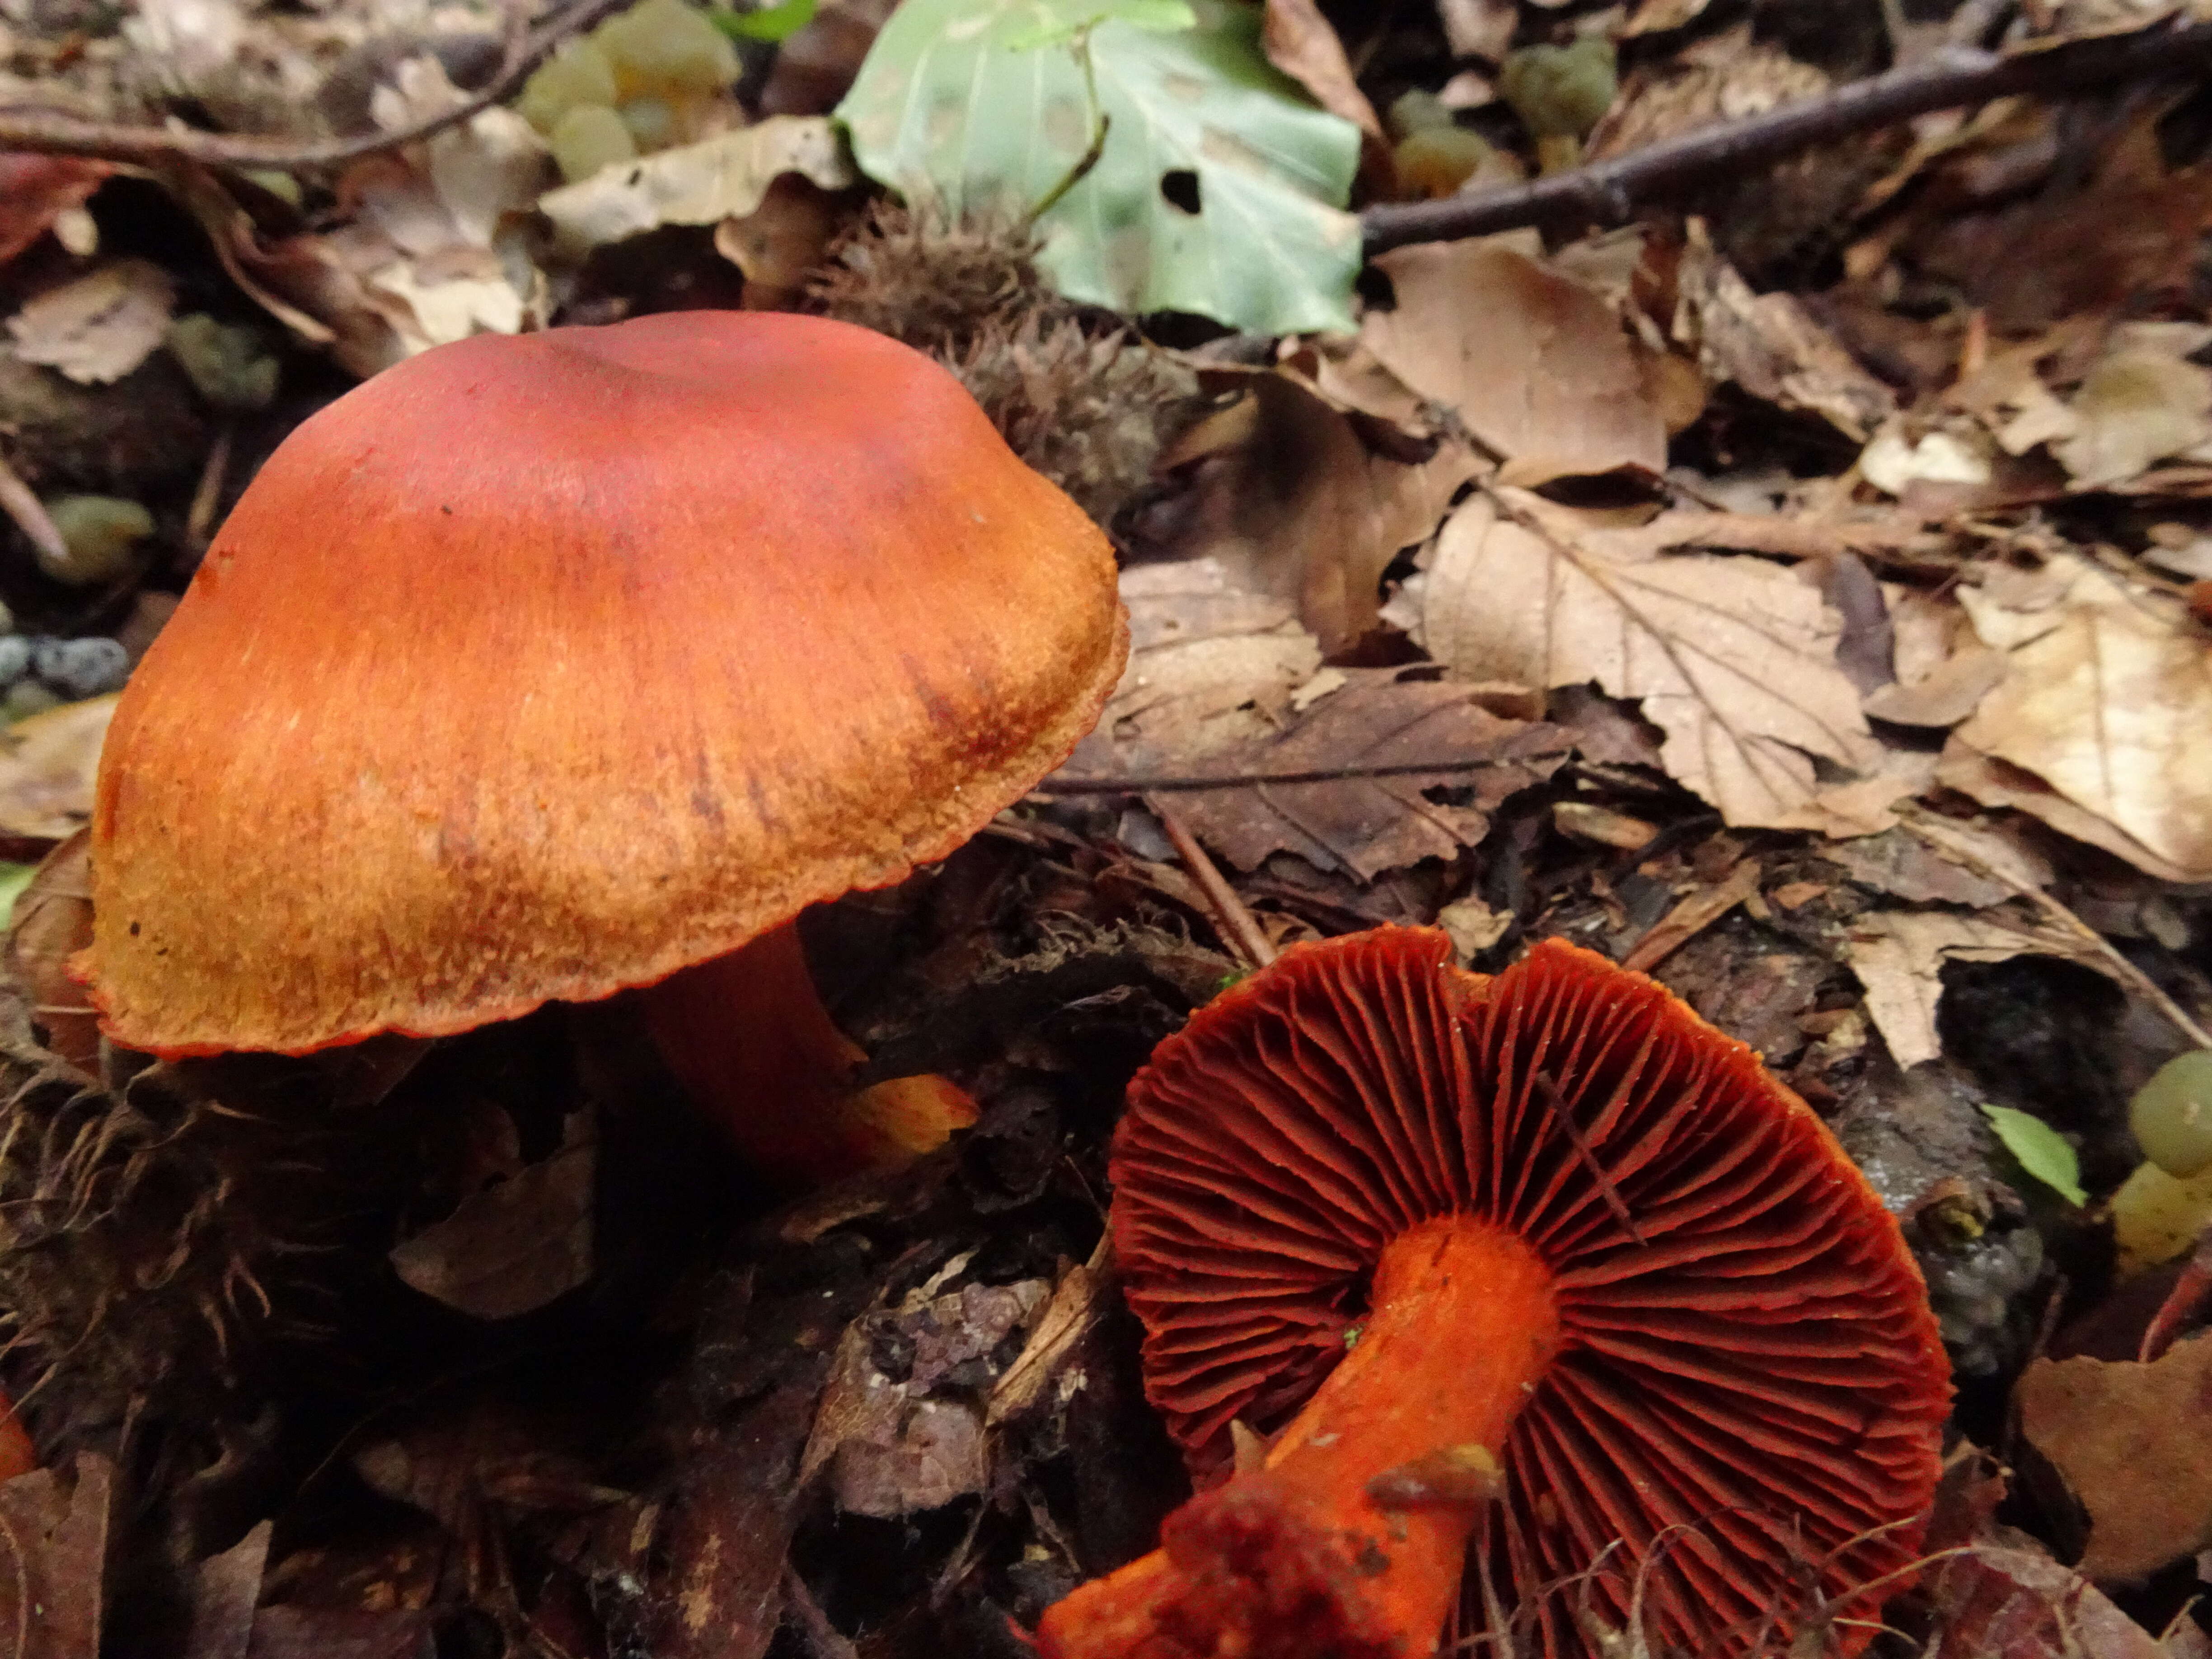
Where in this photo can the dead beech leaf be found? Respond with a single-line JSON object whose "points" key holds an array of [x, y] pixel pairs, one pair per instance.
{"points": [[780, 241], [1077, 1303], [1995, 782], [36, 190], [1922, 870], [1302, 507], [53, 1560], [1734, 659], [2134, 408], [1769, 345], [1944, 697], [1898, 957], [1367, 825], [52, 922], [46, 769], [2014, 1604], [223, 1590], [2110, 705], [1209, 665], [1299, 42], [1536, 365], [515, 1246], [725, 177], [2134, 1444], [1479, 28], [98, 328]]}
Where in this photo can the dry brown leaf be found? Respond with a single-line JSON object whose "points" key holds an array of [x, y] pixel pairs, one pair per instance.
{"points": [[516, 1246], [1535, 365], [99, 327], [1903, 865], [54, 1539], [780, 242], [1768, 344], [1692, 915], [1734, 659], [1079, 1302], [2107, 698], [50, 922], [1944, 697], [1995, 782], [1657, 16], [1304, 509], [1899, 955], [1299, 42], [1479, 28], [1366, 825], [2137, 404], [725, 177], [37, 190], [46, 768], [1211, 665], [223, 1591], [2134, 1444], [2013, 1604]]}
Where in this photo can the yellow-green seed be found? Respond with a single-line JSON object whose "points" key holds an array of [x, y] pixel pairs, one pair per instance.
{"points": [[587, 139], [2171, 1115]]}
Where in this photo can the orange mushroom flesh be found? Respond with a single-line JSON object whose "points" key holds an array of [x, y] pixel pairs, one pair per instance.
{"points": [[1635, 1324], [540, 667], [748, 1037]]}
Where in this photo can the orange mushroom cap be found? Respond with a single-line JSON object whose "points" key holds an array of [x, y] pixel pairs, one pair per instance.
{"points": [[540, 666], [1736, 1388]]}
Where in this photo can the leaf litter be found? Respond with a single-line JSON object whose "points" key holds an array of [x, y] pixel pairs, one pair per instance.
{"points": [[1789, 595]]}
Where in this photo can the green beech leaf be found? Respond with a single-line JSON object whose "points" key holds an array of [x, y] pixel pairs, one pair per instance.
{"points": [[1220, 184], [2040, 1150]]}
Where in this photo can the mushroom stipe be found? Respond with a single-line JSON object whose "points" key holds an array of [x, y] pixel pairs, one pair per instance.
{"points": [[1605, 1250]]}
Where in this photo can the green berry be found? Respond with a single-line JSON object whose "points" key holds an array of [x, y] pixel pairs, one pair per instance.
{"points": [[1560, 92], [587, 139], [2171, 1115], [578, 74], [228, 363], [666, 46], [101, 532]]}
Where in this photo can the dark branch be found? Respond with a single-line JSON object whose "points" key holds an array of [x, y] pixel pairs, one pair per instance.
{"points": [[1607, 192], [51, 133], [1146, 784]]}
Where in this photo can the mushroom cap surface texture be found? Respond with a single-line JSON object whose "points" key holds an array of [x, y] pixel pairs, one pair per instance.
{"points": [[1748, 1396], [541, 666]]}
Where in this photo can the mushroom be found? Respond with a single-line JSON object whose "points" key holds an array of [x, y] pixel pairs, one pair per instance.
{"points": [[539, 667], [1540, 1268]]}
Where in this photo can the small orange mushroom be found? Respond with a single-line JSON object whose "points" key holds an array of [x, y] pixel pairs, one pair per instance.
{"points": [[1540, 1268], [539, 667]]}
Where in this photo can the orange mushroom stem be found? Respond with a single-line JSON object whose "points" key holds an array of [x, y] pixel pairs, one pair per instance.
{"points": [[747, 1035], [1390, 1463]]}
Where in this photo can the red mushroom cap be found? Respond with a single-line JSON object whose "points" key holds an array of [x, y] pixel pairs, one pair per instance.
{"points": [[536, 668], [1748, 1365]]}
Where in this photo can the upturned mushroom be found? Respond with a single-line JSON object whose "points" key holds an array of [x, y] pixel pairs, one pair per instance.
{"points": [[540, 667], [1539, 1276]]}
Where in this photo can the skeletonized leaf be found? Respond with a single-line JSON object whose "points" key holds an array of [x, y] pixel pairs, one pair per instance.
{"points": [[1734, 659]]}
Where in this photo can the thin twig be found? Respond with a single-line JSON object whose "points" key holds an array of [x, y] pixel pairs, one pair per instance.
{"points": [[1607, 192], [21, 503], [51, 133], [1931, 831], [1170, 782], [1607, 1190], [199, 521], [1239, 931]]}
